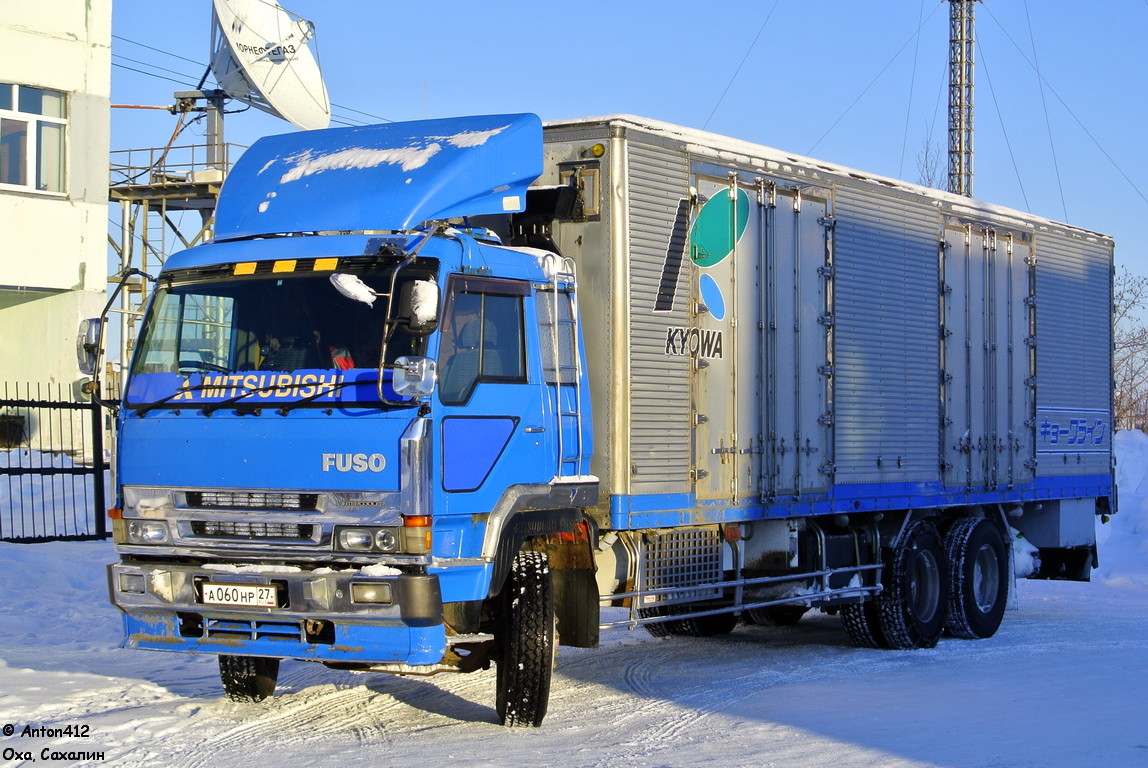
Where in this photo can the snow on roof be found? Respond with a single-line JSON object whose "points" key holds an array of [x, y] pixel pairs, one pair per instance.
{"points": [[741, 152]]}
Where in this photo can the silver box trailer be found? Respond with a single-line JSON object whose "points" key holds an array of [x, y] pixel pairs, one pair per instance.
{"points": [[775, 338]]}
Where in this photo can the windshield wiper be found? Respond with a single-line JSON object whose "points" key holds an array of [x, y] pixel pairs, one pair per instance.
{"points": [[210, 408], [286, 407], [145, 407]]}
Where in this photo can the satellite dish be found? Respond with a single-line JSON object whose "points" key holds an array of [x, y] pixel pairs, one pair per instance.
{"points": [[260, 56]]}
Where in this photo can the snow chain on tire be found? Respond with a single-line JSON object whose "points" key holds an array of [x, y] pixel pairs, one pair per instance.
{"points": [[860, 621], [697, 626], [248, 678], [911, 608], [978, 578], [526, 641]]}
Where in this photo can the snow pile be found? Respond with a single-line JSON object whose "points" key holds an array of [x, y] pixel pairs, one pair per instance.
{"points": [[1123, 541]]}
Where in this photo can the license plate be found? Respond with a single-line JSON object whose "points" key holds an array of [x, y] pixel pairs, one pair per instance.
{"points": [[247, 595]]}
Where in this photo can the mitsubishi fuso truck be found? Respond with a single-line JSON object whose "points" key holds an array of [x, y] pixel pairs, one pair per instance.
{"points": [[445, 394]]}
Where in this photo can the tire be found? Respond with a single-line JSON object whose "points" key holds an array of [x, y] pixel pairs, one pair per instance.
{"points": [[777, 615], [978, 578], [658, 628], [912, 607], [248, 678], [698, 626], [862, 625], [525, 640]]}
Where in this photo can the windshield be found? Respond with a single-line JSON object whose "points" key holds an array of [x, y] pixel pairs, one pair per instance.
{"points": [[201, 331]]}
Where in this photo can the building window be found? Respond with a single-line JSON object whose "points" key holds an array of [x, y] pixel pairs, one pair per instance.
{"points": [[33, 122]]}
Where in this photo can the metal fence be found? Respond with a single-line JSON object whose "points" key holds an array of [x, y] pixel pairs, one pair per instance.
{"points": [[52, 466]]}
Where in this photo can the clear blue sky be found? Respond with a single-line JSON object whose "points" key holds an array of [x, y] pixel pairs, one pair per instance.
{"points": [[672, 60]]}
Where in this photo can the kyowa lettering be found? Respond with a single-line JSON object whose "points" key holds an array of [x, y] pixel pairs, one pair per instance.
{"points": [[694, 342]]}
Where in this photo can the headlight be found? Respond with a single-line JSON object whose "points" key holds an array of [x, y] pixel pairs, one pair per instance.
{"points": [[356, 539], [147, 532], [366, 539], [133, 582], [371, 592], [386, 540]]}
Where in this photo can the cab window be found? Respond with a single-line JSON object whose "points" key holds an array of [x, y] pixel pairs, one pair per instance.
{"points": [[483, 338]]}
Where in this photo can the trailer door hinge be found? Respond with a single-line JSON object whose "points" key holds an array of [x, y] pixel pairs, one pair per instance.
{"points": [[698, 474]]}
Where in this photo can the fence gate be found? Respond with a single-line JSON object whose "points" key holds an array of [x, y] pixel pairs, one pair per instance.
{"points": [[52, 467]]}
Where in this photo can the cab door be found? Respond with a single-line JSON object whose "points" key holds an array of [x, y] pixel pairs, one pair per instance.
{"points": [[492, 426]]}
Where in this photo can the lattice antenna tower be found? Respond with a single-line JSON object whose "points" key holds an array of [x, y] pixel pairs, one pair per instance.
{"points": [[962, 21]]}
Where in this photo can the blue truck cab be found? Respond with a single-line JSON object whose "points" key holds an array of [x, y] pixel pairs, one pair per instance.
{"points": [[344, 416]]}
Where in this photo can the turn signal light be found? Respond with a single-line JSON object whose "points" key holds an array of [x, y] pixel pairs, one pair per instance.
{"points": [[417, 521]]}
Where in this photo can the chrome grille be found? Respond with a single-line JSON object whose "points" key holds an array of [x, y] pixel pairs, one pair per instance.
{"points": [[295, 502], [681, 558], [227, 529]]}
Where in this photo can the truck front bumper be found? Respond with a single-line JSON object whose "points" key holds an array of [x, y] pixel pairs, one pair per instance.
{"points": [[316, 617]]}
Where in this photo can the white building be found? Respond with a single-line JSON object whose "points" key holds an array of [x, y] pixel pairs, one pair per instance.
{"points": [[55, 90]]}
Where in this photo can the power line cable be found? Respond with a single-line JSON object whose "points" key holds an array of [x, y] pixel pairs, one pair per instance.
{"points": [[912, 87], [871, 83], [153, 66], [1068, 109], [1044, 103], [158, 50], [151, 74], [740, 65], [1004, 131], [343, 107]]}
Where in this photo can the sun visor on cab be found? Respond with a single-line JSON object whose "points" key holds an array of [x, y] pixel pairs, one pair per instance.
{"points": [[381, 177]]}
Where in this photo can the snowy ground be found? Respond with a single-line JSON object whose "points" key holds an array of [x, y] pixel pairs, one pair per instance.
{"points": [[1064, 683]]}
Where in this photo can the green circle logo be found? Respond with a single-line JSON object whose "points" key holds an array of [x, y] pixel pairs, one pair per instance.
{"points": [[720, 224]]}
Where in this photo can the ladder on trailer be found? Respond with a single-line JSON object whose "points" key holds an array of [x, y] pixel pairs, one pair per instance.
{"points": [[567, 368]]}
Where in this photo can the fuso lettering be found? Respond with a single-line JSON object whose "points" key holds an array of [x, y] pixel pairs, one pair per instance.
{"points": [[354, 462]]}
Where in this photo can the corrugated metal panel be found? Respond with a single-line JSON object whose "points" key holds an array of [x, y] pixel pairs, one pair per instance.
{"points": [[887, 339], [660, 390], [987, 402], [1073, 343]]}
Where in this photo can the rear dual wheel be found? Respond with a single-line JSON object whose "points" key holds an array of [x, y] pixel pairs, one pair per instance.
{"points": [[978, 578], [910, 611]]}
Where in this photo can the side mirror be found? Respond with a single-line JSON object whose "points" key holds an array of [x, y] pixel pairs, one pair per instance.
{"points": [[353, 288], [414, 376], [418, 306], [88, 345]]}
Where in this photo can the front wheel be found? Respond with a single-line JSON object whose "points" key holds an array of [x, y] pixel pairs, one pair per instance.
{"points": [[912, 608], [248, 678], [525, 639], [978, 578]]}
